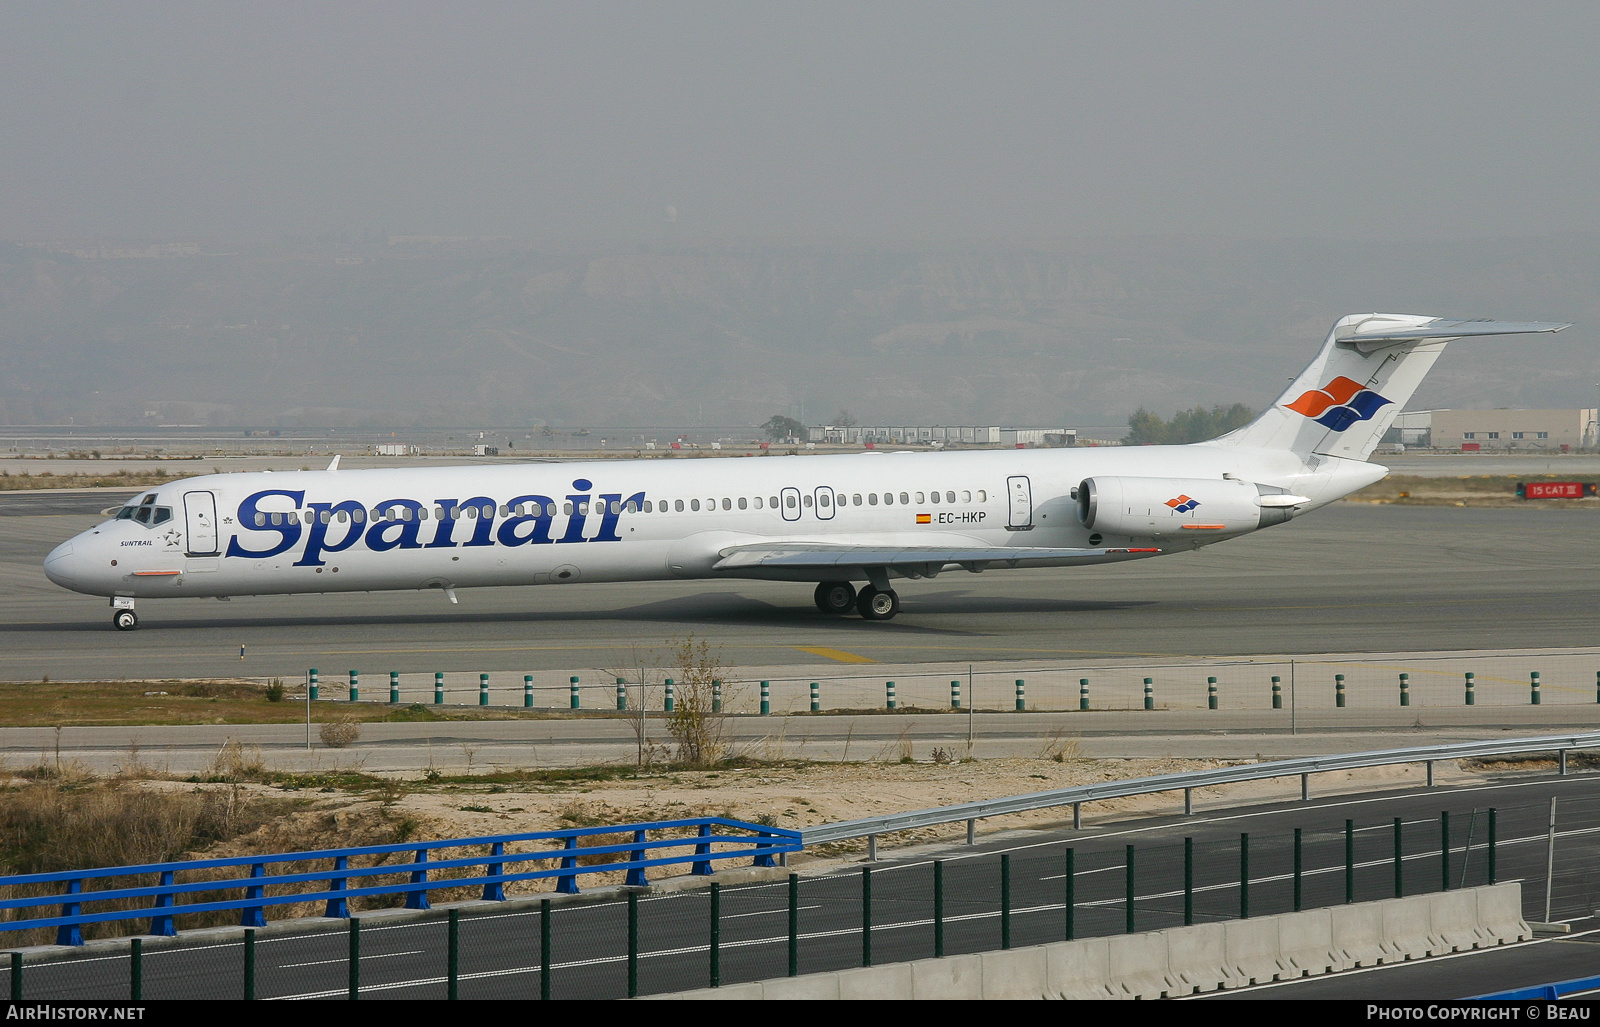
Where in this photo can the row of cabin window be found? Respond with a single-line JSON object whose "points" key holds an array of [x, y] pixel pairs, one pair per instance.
{"points": [[472, 512]]}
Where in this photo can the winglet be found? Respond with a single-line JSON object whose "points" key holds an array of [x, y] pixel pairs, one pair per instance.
{"points": [[334, 464]]}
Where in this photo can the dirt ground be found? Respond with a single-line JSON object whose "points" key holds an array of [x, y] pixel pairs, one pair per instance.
{"points": [[792, 796]]}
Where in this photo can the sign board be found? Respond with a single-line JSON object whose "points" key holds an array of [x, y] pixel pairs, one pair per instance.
{"points": [[1555, 489]]}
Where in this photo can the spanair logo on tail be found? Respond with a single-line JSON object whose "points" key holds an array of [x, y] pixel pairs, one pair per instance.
{"points": [[1339, 404]]}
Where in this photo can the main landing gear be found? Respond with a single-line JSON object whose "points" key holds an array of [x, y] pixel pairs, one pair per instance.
{"points": [[125, 620], [837, 597]]}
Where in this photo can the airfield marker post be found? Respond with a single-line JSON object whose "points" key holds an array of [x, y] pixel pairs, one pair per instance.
{"points": [[573, 701], [1211, 693], [1022, 695], [438, 688], [355, 686], [1533, 688], [1338, 690], [1405, 689], [622, 694], [527, 691], [888, 687], [1083, 693], [394, 687], [716, 696], [955, 693], [1277, 693], [670, 701], [1471, 699], [313, 687], [766, 697], [483, 689], [816, 700], [1149, 694]]}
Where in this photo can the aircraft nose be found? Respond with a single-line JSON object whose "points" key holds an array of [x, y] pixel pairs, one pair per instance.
{"points": [[61, 566]]}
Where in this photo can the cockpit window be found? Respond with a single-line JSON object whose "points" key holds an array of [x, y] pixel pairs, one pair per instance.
{"points": [[146, 512]]}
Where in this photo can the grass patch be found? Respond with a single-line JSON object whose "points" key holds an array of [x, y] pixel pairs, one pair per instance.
{"points": [[49, 703]]}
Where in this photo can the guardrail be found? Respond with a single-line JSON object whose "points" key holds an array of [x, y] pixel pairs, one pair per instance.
{"points": [[748, 841], [1186, 782], [1560, 989]]}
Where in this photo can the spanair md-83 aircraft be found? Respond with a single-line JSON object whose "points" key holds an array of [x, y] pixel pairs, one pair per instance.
{"points": [[835, 520]]}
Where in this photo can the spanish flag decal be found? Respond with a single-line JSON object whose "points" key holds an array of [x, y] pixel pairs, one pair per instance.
{"points": [[924, 518]]}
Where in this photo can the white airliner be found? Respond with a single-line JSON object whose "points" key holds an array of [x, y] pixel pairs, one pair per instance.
{"points": [[834, 520]]}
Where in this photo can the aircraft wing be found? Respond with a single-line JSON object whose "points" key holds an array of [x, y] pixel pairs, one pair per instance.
{"points": [[922, 560]]}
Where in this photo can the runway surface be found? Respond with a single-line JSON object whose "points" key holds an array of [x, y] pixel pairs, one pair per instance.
{"points": [[1351, 578]]}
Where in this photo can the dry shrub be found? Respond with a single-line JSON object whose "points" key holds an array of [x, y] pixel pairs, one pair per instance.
{"points": [[700, 731], [341, 733], [235, 762], [48, 827]]}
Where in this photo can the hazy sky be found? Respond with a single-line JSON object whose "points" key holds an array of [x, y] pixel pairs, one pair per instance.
{"points": [[814, 119]]}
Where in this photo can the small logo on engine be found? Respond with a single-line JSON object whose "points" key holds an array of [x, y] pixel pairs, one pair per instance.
{"points": [[1183, 504]]}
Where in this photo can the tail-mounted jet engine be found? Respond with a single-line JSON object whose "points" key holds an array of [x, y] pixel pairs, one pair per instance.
{"points": [[1157, 507]]}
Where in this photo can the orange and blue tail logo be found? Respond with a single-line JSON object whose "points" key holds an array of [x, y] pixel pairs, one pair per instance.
{"points": [[1182, 504], [1339, 404]]}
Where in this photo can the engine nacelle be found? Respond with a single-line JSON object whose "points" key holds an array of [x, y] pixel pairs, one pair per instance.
{"points": [[1199, 507]]}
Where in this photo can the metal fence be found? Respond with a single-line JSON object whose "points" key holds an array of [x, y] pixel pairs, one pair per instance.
{"points": [[1379, 681], [335, 878], [643, 945]]}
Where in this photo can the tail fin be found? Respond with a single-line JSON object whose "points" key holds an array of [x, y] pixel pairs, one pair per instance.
{"points": [[1366, 372]]}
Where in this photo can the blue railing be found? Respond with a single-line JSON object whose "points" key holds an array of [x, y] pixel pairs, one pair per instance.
{"points": [[1559, 989], [714, 839]]}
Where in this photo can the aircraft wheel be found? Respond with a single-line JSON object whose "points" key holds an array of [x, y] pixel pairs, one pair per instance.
{"points": [[835, 597], [876, 605], [125, 620]]}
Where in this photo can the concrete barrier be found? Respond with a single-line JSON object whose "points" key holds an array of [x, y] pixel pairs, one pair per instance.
{"points": [[1183, 960]]}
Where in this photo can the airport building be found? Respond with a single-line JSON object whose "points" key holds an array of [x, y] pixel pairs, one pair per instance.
{"points": [[942, 435], [1478, 430]]}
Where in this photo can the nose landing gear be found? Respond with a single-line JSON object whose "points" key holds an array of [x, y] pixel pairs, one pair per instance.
{"points": [[125, 620]]}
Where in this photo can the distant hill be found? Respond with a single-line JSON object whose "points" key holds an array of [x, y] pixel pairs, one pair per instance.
{"points": [[1073, 332]]}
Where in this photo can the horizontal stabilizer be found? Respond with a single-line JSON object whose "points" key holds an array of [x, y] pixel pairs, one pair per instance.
{"points": [[1444, 329], [804, 556]]}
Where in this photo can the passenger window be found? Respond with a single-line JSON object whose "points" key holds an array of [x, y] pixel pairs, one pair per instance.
{"points": [[841, 500], [966, 496], [326, 517], [471, 512], [856, 499], [727, 504], [773, 502], [872, 499], [982, 496], [616, 506], [344, 515], [789, 502], [632, 507], [678, 506], [649, 507], [919, 497], [904, 499], [359, 515], [758, 502], [888, 499], [949, 497], [824, 499], [566, 508], [694, 504], [744, 504], [805, 501], [261, 518], [422, 514]]}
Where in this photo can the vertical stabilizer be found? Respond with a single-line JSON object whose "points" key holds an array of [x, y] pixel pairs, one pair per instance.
{"points": [[1366, 372]]}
